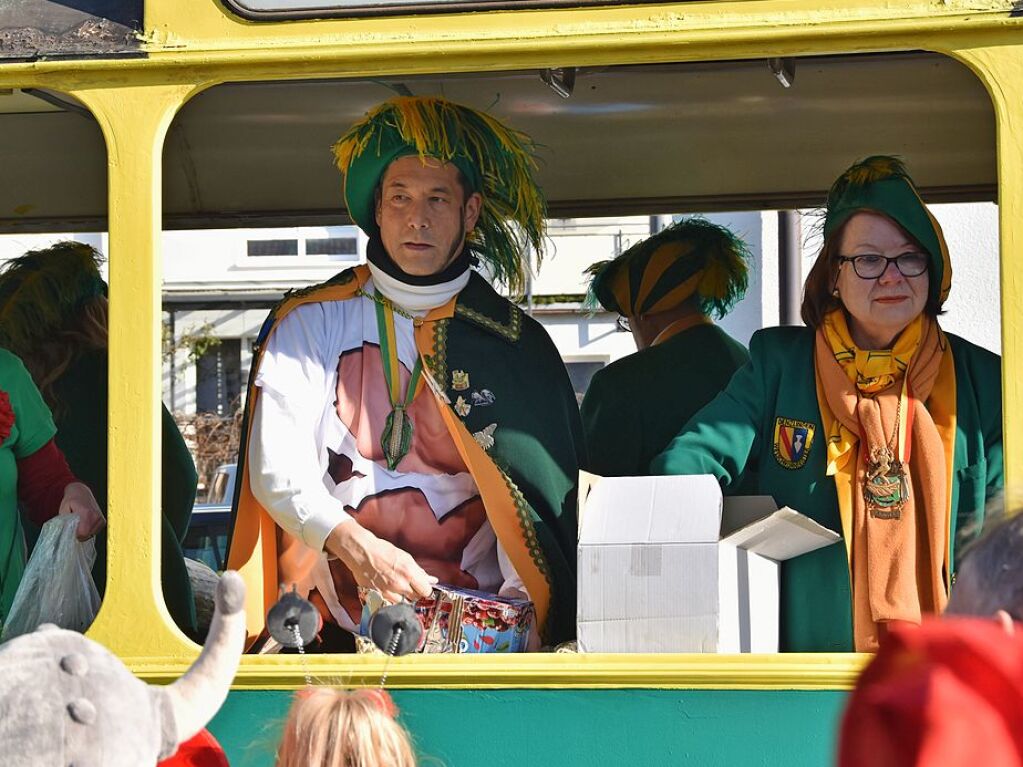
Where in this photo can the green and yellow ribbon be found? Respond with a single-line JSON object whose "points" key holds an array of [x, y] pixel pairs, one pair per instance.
{"points": [[396, 438]]}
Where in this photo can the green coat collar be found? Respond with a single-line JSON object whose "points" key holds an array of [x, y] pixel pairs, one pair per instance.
{"points": [[479, 304]]}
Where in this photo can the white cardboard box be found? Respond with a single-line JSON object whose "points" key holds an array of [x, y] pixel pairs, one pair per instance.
{"points": [[665, 566]]}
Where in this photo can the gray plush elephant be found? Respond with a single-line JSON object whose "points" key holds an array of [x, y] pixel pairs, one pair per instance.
{"points": [[68, 701]]}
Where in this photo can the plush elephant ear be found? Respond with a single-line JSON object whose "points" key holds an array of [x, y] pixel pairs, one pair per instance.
{"points": [[193, 700]]}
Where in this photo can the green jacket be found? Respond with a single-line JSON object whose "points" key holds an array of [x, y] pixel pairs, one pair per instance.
{"points": [[737, 428], [636, 405]]}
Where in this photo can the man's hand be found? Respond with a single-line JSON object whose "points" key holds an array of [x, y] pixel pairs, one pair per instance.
{"points": [[78, 498], [378, 564]]}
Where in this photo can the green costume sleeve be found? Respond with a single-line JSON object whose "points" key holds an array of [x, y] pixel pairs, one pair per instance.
{"points": [[719, 439], [32, 417], [611, 429]]}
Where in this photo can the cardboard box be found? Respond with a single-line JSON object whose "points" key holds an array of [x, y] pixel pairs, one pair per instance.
{"points": [[666, 565]]}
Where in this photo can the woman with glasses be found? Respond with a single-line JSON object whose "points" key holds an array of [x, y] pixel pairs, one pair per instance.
{"points": [[871, 420]]}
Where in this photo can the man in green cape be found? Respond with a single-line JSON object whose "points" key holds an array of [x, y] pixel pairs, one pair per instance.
{"points": [[406, 423], [667, 286]]}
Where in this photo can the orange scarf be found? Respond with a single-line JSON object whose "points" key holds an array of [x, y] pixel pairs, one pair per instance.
{"points": [[898, 558]]}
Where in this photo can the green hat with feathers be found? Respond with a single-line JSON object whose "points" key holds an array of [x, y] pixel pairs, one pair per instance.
{"points": [[881, 183], [40, 290], [690, 257], [496, 161]]}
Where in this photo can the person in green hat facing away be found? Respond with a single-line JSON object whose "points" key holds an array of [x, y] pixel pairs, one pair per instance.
{"points": [[871, 420], [407, 424], [666, 287]]}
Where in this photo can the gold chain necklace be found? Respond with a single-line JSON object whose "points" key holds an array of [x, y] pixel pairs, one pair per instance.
{"points": [[886, 486], [387, 304]]}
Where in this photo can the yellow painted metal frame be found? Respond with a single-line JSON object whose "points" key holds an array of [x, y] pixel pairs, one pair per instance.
{"points": [[195, 44]]}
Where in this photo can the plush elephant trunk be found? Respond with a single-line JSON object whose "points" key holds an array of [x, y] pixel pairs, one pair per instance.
{"points": [[197, 695]]}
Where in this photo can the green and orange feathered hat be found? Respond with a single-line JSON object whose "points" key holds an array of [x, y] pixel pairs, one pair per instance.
{"points": [[42, 289], [881, 183], [690, 257], [496, 161]]}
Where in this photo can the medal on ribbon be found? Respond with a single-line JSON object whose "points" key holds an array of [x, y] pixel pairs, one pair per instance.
{"points": [[396, 438], [885, 488], [885, 484]]}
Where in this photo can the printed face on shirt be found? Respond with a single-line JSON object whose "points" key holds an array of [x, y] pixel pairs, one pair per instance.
{"points": [[423, 214], [879, 309]]}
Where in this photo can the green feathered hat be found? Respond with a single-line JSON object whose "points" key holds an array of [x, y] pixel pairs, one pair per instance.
{"points": [[882, 184], [40, 290], [496, 161], [692, 256]]}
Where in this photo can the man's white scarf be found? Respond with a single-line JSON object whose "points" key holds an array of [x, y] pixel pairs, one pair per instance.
{"points": [[417, 299]]}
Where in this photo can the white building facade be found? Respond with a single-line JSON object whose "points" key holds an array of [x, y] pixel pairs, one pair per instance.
{"points": [[220, 283]]}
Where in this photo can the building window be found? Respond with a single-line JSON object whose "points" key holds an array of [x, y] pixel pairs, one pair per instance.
{"points": [[580, 374], [273, 247], [331, 246], [317, 244], [218, 378]]}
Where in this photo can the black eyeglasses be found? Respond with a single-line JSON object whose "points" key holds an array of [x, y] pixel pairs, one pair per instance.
{"points": [[871, 266], [623, 324]]}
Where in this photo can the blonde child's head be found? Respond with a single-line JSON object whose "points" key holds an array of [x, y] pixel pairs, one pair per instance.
{"points": [[330, 727]]}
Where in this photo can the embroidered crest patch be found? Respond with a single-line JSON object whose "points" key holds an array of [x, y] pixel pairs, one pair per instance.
{"points": [[459, 380], [792, 441]]}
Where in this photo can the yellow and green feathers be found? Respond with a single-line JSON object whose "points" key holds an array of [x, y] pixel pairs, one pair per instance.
{"points": [[497, 161]]}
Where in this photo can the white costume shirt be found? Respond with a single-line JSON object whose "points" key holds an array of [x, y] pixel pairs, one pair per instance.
{"points": [[297, 432]]}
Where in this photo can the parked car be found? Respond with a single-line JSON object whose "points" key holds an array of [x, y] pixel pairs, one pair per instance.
{"points": [[206, 539]]}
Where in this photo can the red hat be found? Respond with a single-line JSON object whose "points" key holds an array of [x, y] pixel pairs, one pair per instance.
{"points": [[949, 693], [202, 750]]}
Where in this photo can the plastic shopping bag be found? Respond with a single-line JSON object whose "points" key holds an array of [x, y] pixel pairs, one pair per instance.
{"points": [[57, 586]]}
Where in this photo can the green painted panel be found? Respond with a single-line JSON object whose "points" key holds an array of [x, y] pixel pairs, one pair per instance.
{"points": [[709, 728]]}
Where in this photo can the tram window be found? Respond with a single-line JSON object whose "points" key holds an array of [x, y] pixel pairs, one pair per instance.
{"points": [[273, 10], [630, 150], [54, 313]]}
